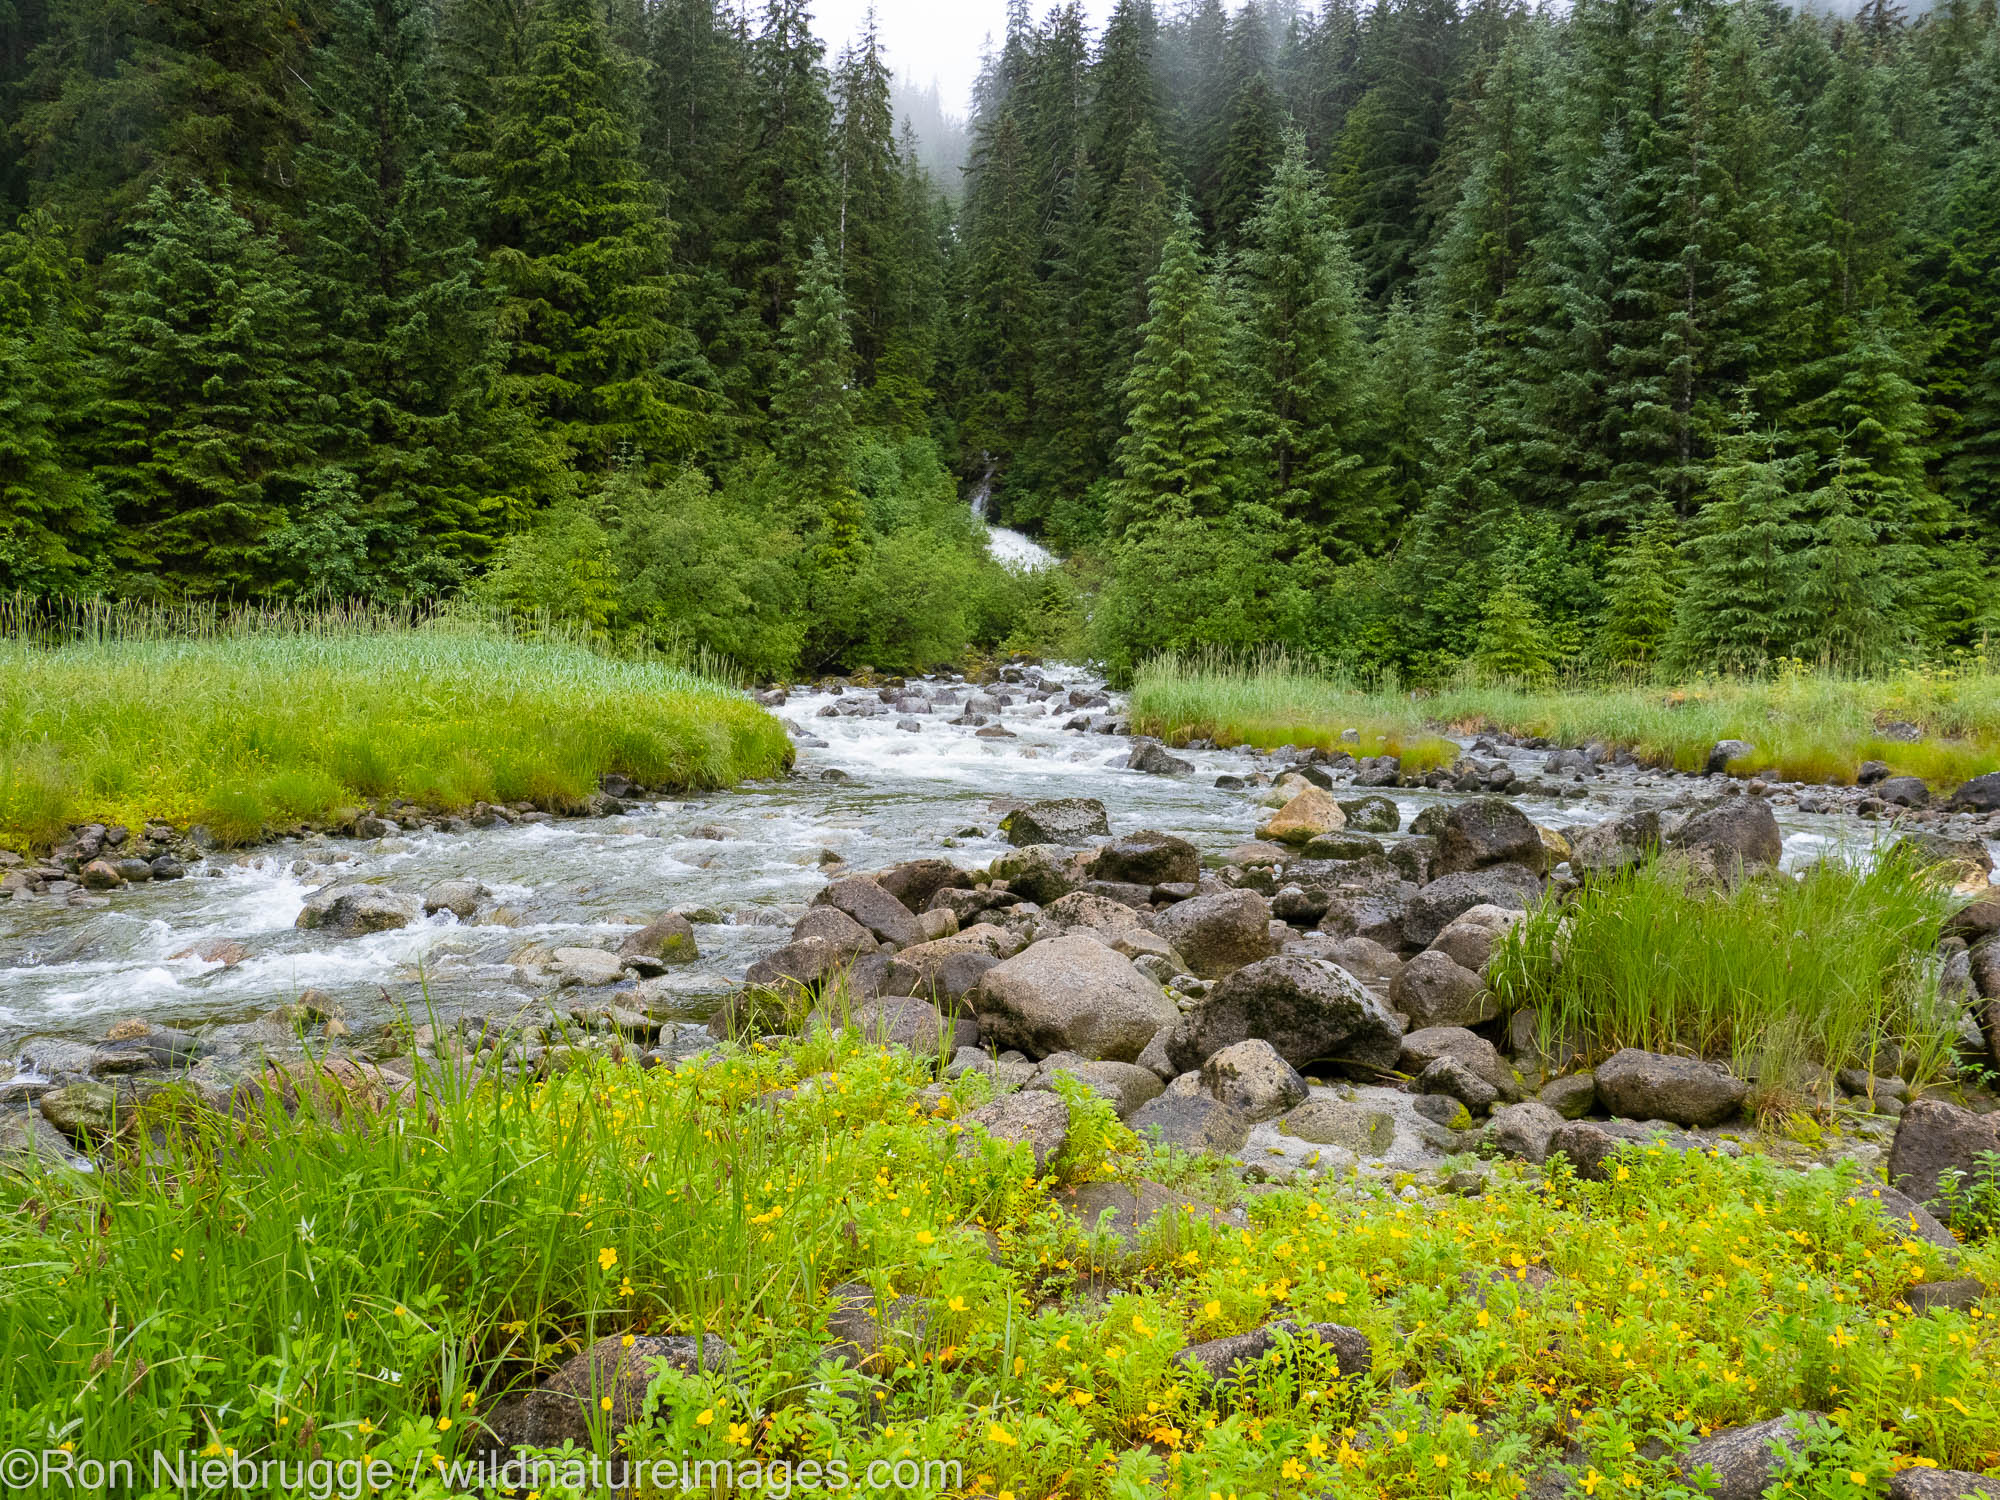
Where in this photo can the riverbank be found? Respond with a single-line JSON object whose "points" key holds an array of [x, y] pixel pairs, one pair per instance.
{"points": [[246, 732], [1943, 728], [824, 1256]]}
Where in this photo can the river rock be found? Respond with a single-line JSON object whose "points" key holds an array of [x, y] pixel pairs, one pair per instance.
{"points": [[1253, 1080], [835, 927], [86, 1111], [900, 1021], [1615, 843], [1125, 1085], [587, 966], [1219, 1357], [1146, 858], [1218, 934], [1933, 1138], [1196, 1123], [1082, 909], [459, 897], [1313, 811], [1425, 1046], [1468, 944], [1067, 821], [874, 908], [564, 1408], [916, 882], [808, 962], [1572, 1096], [1981, 794], [1155, 759], [1454, 1080], [1042, 873], [1364, 900], [1482, 832], [1037, 1119], [1978, 919], [1309, 1010], [1652, 1086], [1071, 994], [1904, 791], [1433, 990], [30, 1137], [1326, 1121], [1961, 860], [1524, 1130], [1435, 906], [1372, 814], [1124, 1209], [1724, 751], [1739, 833], [1942, 1484], [1344, 845], [355, 910], [667, 939], [1744, 1460]]}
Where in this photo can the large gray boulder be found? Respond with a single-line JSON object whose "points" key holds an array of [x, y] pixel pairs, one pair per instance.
{"points": [[1126, 1085], [837, 928], [809, 962], [1942, 1484], [915, 882], [612, 1376], [1196, 1123], [1524, 1130], [1218, 934], [1083, 909], [1738, 833], [948, 969], [874, 908], [669, 939], [1309, 1010], [1037, 1119], [1041, 873], [1653, 1086], [1482, 832], [1155, 759], [1934, 1138], [1364, 900], [1218, 1357], [1071, 994], [1425, 1046], [1146, 858], [1614, 844], [1252, 1079], [1981, 794], [1744, 1460], [1062, 820], [356, 910], [1433, 990], [1434, 907]]}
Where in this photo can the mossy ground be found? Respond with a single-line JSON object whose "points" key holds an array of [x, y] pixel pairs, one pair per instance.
{"points": [[296, 1287]]}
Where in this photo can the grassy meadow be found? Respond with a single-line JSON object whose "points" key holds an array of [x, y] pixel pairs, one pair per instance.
{"points": [[1806, 725], [287, 1289], [265, 719]]}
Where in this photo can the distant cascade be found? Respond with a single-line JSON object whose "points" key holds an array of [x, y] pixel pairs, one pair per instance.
{"points": [[1007, 545]]}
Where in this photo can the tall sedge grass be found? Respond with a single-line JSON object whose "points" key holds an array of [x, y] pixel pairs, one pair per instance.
{"points": [[264, 718], [1831, 969], [1806, 725]]}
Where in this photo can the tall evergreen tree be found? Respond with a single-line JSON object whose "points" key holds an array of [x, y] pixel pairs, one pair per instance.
{"points": [[1305, 367], [201, 415], [580, 260], [51, 525], [1180, 453], [409, 347], [813, 411]]}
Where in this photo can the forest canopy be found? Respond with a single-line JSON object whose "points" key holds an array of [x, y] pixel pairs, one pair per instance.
{"points": [[1626, 334]]}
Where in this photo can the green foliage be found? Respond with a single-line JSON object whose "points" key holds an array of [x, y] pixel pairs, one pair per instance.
{"points": [[1511, 646], [267, 719], [1655, 958]]}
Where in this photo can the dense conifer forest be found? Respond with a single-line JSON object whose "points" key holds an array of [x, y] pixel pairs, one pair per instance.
{"points": [[1619, 333]]}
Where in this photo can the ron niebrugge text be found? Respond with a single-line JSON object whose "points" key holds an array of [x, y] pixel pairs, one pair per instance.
{"points": [[58, 1471]]}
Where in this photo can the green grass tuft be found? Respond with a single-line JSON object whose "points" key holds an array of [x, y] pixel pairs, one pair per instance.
{"points": [[1834, 968], [266, 720]]}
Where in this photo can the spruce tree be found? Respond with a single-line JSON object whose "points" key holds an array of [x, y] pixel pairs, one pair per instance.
{"points": [[51, 525], [580, 260], [813, 412], [1641, 586], [201, 415], [1305, 367], [867, 197], [1512, 644], [1747, 566], [1180, 452], [408, 341]]}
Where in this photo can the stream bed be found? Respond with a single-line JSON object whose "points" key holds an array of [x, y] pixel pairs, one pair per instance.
{"points": [[221, 945]]}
